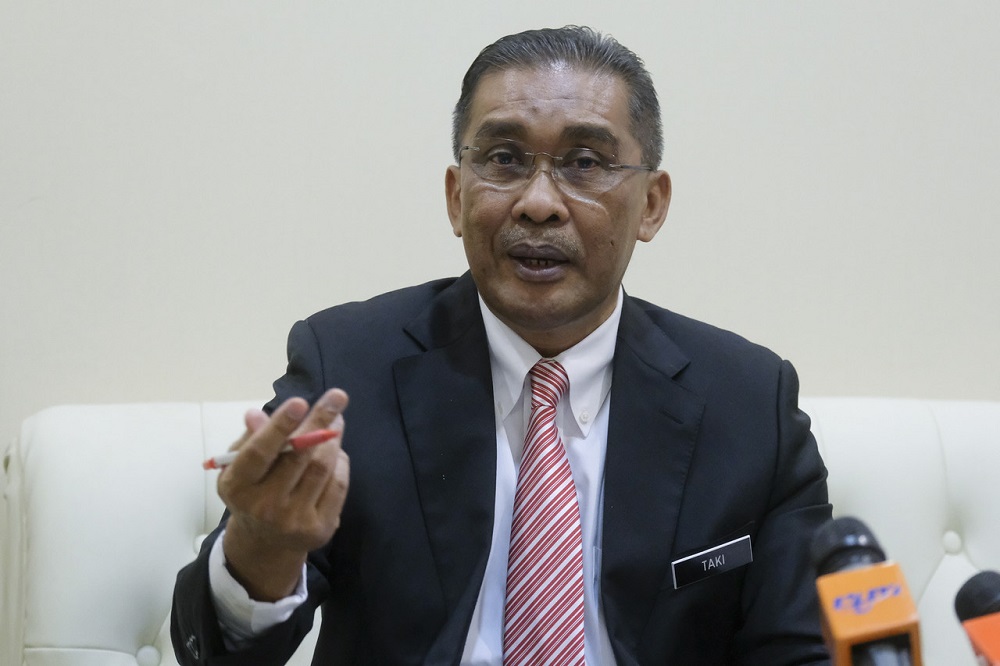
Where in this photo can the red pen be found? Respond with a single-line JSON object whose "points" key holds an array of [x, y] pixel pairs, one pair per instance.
{"points": [[297, 443], [309, 439]]}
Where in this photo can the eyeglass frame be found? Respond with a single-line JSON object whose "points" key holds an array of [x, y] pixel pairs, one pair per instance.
{"points": [[557, 160]]}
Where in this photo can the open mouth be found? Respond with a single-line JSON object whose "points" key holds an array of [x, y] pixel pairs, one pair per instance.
{"points": [[536, 263], [542, 256], [539, 264]]}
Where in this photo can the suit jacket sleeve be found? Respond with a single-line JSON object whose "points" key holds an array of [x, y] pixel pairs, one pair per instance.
{"points": [[194, 627], [780, 606], [393, 590]]}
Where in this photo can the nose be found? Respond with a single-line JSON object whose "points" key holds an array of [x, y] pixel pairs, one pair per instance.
{"points": [[541, 200]]}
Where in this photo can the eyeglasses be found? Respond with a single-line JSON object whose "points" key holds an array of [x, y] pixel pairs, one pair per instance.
{"points": [[508, 164]]}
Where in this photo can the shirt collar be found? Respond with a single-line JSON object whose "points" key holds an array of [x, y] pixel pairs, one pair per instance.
{"points": [[587, 363]]}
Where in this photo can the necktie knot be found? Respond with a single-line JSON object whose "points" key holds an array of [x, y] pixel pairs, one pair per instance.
{"points": [[548, 383]]}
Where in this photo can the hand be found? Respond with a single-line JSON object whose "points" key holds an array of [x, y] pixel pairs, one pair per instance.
{"points": [[283, 505]]}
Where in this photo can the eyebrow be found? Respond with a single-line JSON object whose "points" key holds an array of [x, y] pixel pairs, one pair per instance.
{"points": [[581, 134], [585, 134], [500, 128]]}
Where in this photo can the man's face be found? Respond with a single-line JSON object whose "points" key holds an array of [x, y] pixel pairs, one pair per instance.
{"points": [[546, 260]]}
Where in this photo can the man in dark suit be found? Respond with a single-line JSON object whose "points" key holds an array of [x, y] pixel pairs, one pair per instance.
{"points": [[695, 485]]}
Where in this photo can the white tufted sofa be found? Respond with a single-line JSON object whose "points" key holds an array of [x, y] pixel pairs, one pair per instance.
{"points": [[105, 503]]}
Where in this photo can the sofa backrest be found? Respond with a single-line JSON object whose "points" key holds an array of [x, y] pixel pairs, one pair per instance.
{"points": [[106, 502], [922, 475]]}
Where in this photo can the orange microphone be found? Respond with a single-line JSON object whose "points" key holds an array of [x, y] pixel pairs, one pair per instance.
{"points": [[868, 615], [977, 605]]}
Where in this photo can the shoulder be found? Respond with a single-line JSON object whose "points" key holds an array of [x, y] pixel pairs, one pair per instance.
{"points": [[379, 320], [399, 305], [354, 345], [700, 341]]}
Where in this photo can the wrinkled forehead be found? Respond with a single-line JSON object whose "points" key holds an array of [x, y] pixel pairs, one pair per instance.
{"points": [[552, 104]]}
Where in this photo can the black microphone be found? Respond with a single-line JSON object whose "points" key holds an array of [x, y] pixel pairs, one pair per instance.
{"points": [[868, 615], [977, 606]]}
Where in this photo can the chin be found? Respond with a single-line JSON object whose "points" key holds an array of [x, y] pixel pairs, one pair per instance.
{"points": [[539, 316]]}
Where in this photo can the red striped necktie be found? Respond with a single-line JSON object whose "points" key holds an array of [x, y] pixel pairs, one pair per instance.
{"points": [[543, 614]]}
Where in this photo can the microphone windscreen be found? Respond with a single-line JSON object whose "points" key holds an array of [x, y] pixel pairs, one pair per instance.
{"points": [[844, 543], [980, 595]]}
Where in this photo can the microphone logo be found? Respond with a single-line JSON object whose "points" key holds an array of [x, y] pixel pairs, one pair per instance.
{"points": [[861, 603], [868, 614]]}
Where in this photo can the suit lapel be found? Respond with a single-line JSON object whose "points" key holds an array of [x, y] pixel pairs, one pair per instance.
{"points": [[652, 431], [446, 400]]}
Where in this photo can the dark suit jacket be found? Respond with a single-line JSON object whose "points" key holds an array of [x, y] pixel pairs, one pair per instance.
{"points": [[705, 444]]}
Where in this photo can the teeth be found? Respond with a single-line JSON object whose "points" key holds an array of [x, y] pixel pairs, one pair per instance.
{"points": [[539, 263]]}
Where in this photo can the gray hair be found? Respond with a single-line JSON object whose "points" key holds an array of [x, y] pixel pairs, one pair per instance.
{"points": [[574, 45]]}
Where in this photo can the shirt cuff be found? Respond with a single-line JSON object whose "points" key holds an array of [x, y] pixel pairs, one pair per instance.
{"points": [[241, 618]]}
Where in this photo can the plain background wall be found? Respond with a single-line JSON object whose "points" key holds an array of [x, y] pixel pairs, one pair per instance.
{"points": [[180, 181]]}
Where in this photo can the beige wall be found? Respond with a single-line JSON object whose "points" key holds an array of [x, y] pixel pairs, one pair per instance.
{"points": [[180, 181]]}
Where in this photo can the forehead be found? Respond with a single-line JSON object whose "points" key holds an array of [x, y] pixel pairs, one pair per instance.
{"points": [[551, 104]]}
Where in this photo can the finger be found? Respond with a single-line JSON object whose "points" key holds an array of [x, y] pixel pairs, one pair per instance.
{"points": [[332, 496], [258, 454], [298, 472], [285, 472], [325, 412], [254, 419], [317, 475], [313, 480]]}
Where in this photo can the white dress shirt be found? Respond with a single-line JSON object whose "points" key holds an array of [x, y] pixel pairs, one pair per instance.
{"points": [[584, 430], [582, 419]]}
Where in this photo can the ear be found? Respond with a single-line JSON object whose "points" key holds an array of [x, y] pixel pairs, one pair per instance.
{"points": [[453, 197], [657, 203]]}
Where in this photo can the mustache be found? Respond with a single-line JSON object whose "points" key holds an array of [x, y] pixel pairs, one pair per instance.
{"points": [[567, 245]]}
